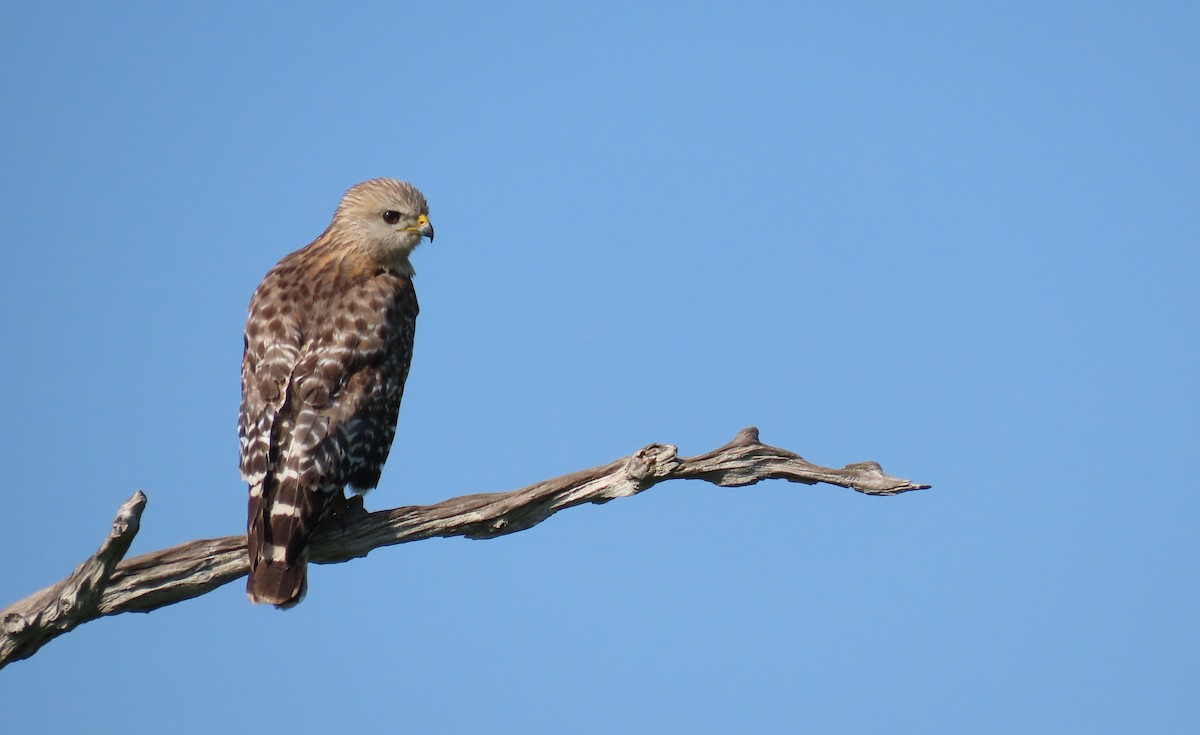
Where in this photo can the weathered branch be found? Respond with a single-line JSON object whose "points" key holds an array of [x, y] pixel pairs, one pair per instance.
{"points": [[105, 585]]}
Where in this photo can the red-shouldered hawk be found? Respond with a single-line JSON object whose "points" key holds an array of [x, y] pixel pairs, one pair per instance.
{"points": [[328, 344]]}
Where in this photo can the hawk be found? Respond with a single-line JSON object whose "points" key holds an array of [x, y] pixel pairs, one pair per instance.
{"points": [[328, 344]]}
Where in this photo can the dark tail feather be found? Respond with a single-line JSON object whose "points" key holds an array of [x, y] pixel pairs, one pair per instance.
{"points": [[280, 584], [277, 539]]}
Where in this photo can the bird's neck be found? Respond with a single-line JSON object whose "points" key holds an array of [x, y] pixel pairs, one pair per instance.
{"points": [[348, 260]]}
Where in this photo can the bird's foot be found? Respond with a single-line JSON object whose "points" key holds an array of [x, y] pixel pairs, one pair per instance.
{"points": [[345, 511]]}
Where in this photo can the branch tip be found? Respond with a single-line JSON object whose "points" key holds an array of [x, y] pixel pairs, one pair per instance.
{"points": [[746, 437], [129, 516]]}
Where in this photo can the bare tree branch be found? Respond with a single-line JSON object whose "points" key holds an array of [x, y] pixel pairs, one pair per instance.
{"points": [[105, 585]]}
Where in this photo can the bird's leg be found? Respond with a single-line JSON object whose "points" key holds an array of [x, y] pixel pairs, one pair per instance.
{"points": [[344, 510]]}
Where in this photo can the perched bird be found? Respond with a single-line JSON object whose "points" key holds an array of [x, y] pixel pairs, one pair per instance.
{"points": [[327, 348]]}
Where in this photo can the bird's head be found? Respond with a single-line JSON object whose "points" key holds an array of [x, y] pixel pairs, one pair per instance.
{"points": [[387, 218]]}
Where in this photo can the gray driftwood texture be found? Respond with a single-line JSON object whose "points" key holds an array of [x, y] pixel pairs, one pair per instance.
{"points": [[106, 585]]}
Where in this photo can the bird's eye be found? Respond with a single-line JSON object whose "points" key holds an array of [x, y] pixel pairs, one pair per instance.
{"points": [[391, 217]]}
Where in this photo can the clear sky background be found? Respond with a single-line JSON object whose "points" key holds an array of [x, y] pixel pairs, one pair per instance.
{"points": [[958, 241]]}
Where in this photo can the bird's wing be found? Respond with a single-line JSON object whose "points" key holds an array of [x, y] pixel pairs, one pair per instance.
{"points": [[331, 417]]}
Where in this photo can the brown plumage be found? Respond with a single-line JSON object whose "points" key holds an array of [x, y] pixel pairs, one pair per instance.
{"points": [[328, 345]]}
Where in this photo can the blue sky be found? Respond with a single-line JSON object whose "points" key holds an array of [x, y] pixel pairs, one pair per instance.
{"points": [[960, 241]]}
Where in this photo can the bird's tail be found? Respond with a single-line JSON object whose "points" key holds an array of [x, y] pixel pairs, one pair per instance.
{"points": [[278, 583], [281, 521]]}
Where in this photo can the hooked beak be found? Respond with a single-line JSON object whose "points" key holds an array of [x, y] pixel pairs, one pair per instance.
{"points": [[424, 227]]}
